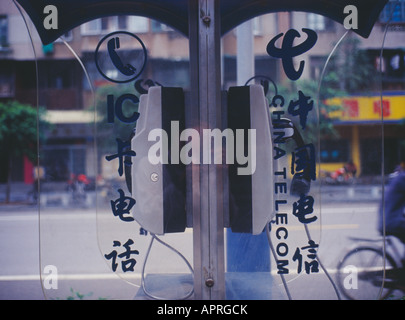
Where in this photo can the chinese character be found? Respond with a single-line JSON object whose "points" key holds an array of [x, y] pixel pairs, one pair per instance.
{"points": [[386, 110], [303, 207], [303, 162], [122, 205], [350, 108], [311, 266], [128, 264], [122, 150], [301, 108]]}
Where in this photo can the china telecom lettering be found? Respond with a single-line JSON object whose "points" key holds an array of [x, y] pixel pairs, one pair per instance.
{"points": [[303, 158], [302, 209]]}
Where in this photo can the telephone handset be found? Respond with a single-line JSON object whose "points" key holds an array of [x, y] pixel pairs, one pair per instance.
{"points": [[160, 188], [300, 184], [112, 45]]}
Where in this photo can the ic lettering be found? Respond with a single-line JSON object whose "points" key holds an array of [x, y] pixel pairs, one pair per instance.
{"points": [[116, 109]]}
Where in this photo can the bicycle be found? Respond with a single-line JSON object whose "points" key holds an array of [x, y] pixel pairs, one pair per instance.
{"points": [[365, 272]]}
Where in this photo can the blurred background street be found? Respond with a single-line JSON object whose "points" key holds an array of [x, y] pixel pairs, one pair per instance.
{"points": [[74, 230]]}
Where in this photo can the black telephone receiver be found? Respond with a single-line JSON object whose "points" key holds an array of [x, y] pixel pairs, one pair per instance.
{"points": [[112, 45], [300, 184]]}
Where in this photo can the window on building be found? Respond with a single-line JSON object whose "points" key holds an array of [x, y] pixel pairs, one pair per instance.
{"points": [[60, 161], [317, 64], [335, 151], [394, 9], [257, 26], [319, 23], [392, 65], [171, 72], [96, 26], [6, 80], [138, 24], [131, 23], [3, 31], [67, 36], [122, 22], [105, 23], [57, 74], [91, 27], [159, 27]]}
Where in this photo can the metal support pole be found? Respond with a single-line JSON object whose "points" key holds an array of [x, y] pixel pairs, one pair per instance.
{"points": [[205, 63]]}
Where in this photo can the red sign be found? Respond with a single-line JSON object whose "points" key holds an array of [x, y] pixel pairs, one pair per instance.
{"points": [[386, 108], [351, 108]]}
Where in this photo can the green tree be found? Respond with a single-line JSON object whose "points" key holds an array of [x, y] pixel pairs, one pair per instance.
{"points": [[351, 69], [19, 134], [318, 122]]}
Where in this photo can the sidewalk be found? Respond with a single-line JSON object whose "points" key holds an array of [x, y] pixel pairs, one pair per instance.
{"points": [[350, 193], [55, 194], [52, 194], [20, 191]]}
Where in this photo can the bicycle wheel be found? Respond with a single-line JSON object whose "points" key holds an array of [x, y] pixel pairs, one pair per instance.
{"points": [[360, 274]]}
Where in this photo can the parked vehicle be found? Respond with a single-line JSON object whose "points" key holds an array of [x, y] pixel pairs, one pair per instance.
{"points": [[345, 175]]}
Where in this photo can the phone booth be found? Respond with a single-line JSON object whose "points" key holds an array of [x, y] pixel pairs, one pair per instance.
{"points": [[210, 149]]}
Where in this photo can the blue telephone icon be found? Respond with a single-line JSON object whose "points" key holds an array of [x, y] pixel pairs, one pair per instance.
{"points": [[112, 45]]}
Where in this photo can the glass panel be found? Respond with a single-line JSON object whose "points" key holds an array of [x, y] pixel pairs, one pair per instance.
{"points": [[340, 118], [157, 266], [369, 267], [92, 241], [19, 272], [114, 219], [261, 263]]}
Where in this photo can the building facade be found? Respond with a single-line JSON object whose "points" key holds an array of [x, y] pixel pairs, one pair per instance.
{"points": [[64, 91]]}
